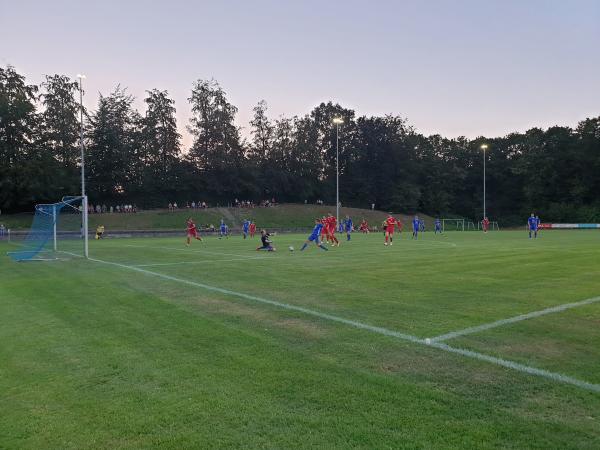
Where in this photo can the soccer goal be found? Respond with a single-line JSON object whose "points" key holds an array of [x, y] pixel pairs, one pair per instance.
{"points": [[453, 224], [493, 226], [58, 231]]}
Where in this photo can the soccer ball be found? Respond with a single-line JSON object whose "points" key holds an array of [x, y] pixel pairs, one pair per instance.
{"points": [[291, 248]]}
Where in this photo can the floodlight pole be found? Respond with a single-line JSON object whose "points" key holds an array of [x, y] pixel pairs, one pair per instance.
{"points": [[337, 122], [84, 200], [337, 172], [484, 148]]}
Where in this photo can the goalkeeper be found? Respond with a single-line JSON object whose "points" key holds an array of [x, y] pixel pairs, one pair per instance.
{"points": [[267, 243], [99, 231]]}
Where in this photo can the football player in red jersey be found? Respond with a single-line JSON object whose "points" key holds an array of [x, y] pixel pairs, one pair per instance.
{"points": [[485, 224], [191, 231], [390, 223], [332, 224]]}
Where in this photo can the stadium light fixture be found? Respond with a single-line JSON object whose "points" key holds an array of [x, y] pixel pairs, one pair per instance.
{"points": [[337, 121]]}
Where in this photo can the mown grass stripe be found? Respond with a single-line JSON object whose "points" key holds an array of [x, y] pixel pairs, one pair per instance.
{"points": [[519, 318], [379, 330]]}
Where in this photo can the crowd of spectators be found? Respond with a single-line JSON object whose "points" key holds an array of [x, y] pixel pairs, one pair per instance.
{"points": [[250, 204], [194, 205], [103, 209], [236, 203]]}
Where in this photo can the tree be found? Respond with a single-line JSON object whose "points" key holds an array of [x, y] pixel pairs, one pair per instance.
{"points": [[113, 159], [262, 133], [60, 123], [60, 128], [217, 151], [158, 145], [18, 128]]}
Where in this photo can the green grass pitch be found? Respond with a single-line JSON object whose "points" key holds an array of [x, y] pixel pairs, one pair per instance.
{"points": [[175, 347]]}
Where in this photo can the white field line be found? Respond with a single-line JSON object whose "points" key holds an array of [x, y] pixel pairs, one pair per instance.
{"points": [[379, 330], [187, 250], [211, 262], [499, 323]]}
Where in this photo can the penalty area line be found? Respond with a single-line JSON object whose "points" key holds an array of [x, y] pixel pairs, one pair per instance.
{"points": [[499, 323], [374, 329]]}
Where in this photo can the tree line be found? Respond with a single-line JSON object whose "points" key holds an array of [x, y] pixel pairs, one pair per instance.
{"points": [[134, 157]]}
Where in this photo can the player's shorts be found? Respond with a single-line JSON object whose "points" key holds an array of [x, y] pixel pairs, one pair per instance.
{"points": [[193, 233], [313, 238], [533, 229], [389, 230]]}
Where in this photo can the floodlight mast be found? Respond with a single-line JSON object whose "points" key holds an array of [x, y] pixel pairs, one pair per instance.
{"points": [[484, 148], [84, 203], [337, 121]]}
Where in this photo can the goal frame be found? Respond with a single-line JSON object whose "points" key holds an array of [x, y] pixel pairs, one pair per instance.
{"points": [[460, 224]]}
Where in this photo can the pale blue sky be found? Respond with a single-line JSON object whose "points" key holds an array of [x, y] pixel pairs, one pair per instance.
{"points": [[450, 67]]}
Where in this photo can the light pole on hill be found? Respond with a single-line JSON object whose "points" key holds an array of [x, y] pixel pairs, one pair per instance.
{"points": [[484, 148], [84, 200], [337, 121]]}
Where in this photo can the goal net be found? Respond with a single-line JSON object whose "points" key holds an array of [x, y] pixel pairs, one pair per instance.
{"points": [[453, 224], [493, 226], [58, 230]]}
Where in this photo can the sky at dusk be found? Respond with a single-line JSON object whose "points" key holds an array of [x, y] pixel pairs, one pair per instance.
{"points": [[455, 68]]}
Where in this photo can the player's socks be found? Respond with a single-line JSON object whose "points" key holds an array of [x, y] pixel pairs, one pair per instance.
{"points": [[323, 247], [304, 246]]}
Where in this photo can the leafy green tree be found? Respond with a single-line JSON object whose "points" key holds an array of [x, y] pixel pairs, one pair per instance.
{"points": [[158, 144], [60, 118], [262, 134], [113, 156], [18, 132], [217, 151], [60, 129]]}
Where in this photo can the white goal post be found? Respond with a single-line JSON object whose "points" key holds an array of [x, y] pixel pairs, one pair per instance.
{"points": [[56, 227], [453, 224], [493, 226]]}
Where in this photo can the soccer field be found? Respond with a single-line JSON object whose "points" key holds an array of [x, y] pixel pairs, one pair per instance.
{"points": [[463, 340]]}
